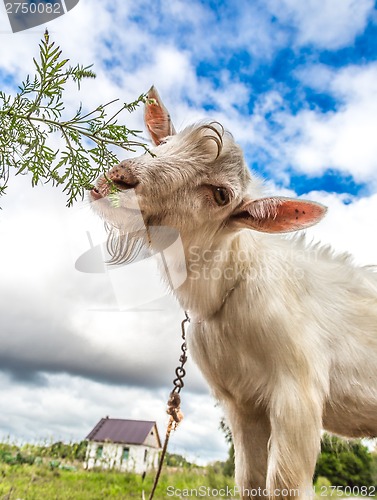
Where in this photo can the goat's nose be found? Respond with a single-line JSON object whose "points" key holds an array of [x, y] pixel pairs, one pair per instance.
{"points": [[123, 176]]}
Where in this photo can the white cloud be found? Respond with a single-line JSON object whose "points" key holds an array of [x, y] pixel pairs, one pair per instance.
{"points": [[329, 24], [348, 227], [81, 29], [313, 141]]}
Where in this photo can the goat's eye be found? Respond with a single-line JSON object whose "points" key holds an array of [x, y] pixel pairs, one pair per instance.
{"points": [[221, 196]]}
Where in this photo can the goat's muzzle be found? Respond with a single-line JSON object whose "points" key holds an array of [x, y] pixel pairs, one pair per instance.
{"points": [[121, 176]]}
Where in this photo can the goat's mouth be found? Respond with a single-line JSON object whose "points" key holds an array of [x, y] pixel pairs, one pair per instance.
{"points": [[102, 190], [95, 194]]}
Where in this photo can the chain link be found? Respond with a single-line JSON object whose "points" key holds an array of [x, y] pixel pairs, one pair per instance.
{"points": [[180, 371]]}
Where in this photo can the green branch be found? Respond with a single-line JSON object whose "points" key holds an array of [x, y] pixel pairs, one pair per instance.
{"points": [[33, 118]]}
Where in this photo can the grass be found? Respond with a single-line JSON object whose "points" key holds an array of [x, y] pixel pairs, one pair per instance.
{"points": [[55, 472], [42, 481], [37, 482]]}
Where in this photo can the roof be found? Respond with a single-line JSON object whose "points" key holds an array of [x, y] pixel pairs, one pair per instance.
{"points": [[119, 430]]}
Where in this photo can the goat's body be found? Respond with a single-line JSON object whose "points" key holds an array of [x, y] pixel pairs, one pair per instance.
{"points": [[284, 332], [288, 342]]}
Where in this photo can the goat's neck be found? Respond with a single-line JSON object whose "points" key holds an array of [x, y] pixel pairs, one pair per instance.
{"points": [[213, 272]]}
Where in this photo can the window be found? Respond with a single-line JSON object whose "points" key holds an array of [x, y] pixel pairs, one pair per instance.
{"points": [[145, 455], [126, 453], [99, 451]]}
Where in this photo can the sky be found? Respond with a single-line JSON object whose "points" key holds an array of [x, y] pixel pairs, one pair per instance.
{"points": [[295, 83]]}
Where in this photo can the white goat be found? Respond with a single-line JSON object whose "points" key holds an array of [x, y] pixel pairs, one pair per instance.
{"points": [[284, 332]]}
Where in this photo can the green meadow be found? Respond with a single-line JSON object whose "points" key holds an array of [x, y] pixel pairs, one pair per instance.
{"points": [[56, 472]]}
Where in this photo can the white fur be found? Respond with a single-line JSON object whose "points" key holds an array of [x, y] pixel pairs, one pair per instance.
{"points": [[284, 332]]}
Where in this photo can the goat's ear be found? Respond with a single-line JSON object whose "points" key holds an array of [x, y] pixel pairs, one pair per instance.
{"points": [[277, 215], [157, 118]]}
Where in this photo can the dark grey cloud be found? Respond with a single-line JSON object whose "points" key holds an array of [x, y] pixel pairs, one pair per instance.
{"points": [[38, 337]]}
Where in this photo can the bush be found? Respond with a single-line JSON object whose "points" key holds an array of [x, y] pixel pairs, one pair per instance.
{"points": [[374, 468], [175, 460], [229, 464], [344, 463], [32, 454], [322, 482]]}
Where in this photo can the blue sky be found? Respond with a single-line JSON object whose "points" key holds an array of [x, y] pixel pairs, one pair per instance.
{"points": [[295, 83]]}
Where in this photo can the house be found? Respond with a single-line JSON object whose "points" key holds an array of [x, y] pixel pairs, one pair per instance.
{"points": [[126, 445]]}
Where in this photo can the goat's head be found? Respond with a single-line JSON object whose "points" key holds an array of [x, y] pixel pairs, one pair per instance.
{"points": [[195, 181]]}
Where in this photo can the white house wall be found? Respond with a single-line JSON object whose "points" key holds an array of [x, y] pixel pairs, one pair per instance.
{"points": [[151, 439], [112, 457]]}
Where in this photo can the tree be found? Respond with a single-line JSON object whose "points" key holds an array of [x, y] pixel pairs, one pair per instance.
{"points": [[32, 120], [344, 463], [228, 468]]}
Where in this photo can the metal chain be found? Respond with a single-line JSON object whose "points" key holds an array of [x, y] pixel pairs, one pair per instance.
{"points": [[180, 371], [174, 403]]}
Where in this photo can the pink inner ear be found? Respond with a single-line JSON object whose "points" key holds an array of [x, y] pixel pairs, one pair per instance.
{"points": [[278, 215], [157, 118], [296, 214]]}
